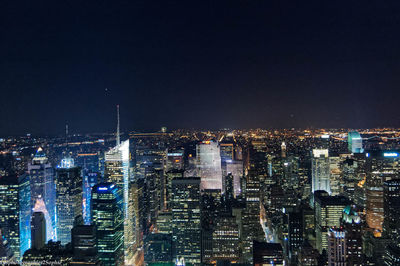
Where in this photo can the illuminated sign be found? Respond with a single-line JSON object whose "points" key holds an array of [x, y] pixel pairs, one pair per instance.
{"points": [[103, 188], [390, 154]]}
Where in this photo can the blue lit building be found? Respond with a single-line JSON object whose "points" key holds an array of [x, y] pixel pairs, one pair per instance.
{"points": [[354, 140], [15, 213], [108, 217]]}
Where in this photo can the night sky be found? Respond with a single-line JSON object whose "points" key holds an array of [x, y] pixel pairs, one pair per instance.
{"points": [[198, 64]]}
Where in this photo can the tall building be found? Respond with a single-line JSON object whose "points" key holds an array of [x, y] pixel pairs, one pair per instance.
{"points": [[381, 166], [351, 224], [208, 163], [117, 171], [15, 213], [295, 233], [43, 194], [225, 239], [354, 142], [69, 198], [320, 170], [328, 213], [337, 246], [186, 227], [391, 206], [38, 230], [108, 217], [158, 249]]}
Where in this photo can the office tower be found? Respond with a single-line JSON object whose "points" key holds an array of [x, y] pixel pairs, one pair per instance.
{"points": [[136, 204], [354, 142], [335, 174], [351, 224], [336, 246], [117, 172], [320, 170], [15, 213], [328, 213], [6, 254], [158, 249], [228, 187], [186, 227], [84, 245], [267, 254], [108, 217], [251, 225], [225, 239], [208, 161], [43, 194], [391, 206], [380, 167], [68, 198], [283, 150], [169, 176], [290, 173], [38, 230], [235, 168], [175, 160], [295, 233], [227, 151]]}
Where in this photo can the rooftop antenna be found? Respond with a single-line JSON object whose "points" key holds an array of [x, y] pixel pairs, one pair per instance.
{"points": [[118, 138]]}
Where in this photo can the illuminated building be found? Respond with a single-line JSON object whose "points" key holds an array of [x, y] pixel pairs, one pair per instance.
{"points": [[391, 194], [209, 165], [186, 227], [171, 175], [381, 166], [283, 150], [252, 229], [226, 151], [236, 169], [108, 217], [328, 213], [267, 254], [355, 142], [51, 253], [158, 248], [225, 239], [308, 256], [43, 194], [15, 213], [295, 233], [175, 160], [90, 179], [336, 246], [392, 255], [351, 224], [164, 220], [320, 170], [69, 198], [38, 230], [117, 171], [335, 174]]}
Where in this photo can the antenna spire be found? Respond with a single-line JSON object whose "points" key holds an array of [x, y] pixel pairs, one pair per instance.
{"points": [[118, 138]]}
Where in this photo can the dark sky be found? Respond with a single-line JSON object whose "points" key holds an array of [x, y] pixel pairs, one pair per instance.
{"points": [[198, 64]]}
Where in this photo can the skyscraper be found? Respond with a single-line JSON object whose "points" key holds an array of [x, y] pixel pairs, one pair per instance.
{"points": [[208, 163], [117, 171], [320, 170], [186, 227], [69, 198], [337, 246], [43, 195], [15, 213], [107, 216], [354, 142], [391, 206], [381, 166], [328, 213]]}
